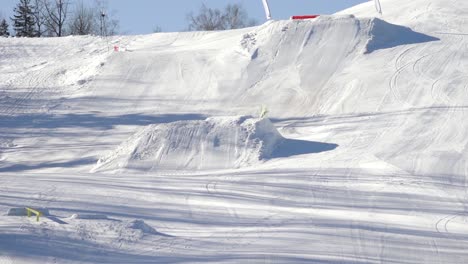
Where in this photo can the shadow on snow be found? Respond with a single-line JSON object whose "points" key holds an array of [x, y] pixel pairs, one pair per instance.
{"points": [[385, 35], [92, 120], [293, 147]]}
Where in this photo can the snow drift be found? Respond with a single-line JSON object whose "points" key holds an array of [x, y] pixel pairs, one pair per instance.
{"points": [[214, 143]]}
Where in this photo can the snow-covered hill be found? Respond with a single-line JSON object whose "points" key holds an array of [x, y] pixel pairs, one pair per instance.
{"points": [[370, 167], [434, 16]]}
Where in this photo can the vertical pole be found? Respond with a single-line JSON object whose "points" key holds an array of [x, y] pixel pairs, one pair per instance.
{"points": [[103, 16], [378, 7], [267, 9]]}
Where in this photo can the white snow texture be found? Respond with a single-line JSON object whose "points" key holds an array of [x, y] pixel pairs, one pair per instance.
{"points": [[215, 143], [153, 150]]}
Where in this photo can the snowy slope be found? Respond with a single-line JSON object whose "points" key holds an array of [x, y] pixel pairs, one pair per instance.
{"points": [[372, 167], [439, 17], [191, 76]]}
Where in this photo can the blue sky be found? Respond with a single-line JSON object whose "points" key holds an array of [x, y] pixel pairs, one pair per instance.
{"points": [[142, 16]]}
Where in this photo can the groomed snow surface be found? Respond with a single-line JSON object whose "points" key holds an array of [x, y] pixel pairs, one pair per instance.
{"points": [[160, 153]]}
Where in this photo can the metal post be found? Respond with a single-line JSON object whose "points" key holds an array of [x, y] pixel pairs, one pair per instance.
{"points": [[103, 16], [267, 9]]}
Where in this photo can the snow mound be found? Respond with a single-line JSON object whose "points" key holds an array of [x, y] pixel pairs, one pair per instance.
{"points": [[422, 15], [134, 231], [214, 143], [301, 61], [89, 216], [141, 226]]}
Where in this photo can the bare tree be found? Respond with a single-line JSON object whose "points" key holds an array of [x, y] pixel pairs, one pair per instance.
{"points": [[234, 16], [55, 14], [83, 20], [38, 12], [92, 19], [108, 24], [157, 29], [206, 19]]}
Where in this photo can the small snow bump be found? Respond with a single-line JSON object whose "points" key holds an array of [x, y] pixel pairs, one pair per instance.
{"points": [[89, 216], [142, 226]]}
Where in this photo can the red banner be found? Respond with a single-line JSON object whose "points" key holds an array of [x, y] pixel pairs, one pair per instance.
{"points": [[304, 17]]}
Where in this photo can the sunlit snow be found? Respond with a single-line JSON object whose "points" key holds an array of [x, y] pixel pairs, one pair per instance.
{"points": [[158, 153]]}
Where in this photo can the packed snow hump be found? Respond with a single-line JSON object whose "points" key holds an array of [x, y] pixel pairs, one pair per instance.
{"points": [[214, 143]]}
